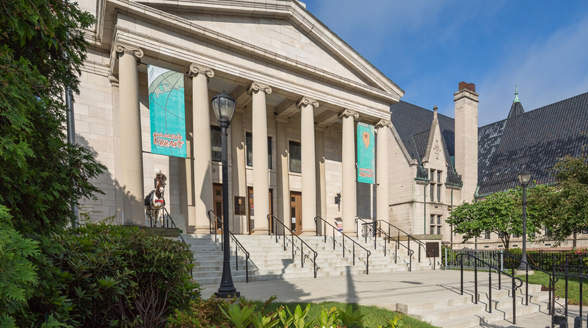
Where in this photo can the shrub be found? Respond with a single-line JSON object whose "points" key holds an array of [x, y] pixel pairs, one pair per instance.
{"points": [[18, 276], [105, 275]]}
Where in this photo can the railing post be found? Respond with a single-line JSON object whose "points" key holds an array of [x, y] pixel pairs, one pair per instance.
{"points": [[489, 289], [333, 238], [419, 253], [566, 292], [236, 258], [526, 283], [314, 264], [343, 245], [475, 280], [461, 274], [445, 257], [398, 240], [549, 298], [367, 264], [514, 302], [301, 253], [354, 254], [501, 260], [291, 242], [246, 267], [580, 297], [385, 248]]}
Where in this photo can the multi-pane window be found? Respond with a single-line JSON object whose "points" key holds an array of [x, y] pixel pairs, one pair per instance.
{"points": [[432, 186], [439, 186], [435, 224], [269, 153], [216, 143], [295, 156], [249, 146], [487, 234]]}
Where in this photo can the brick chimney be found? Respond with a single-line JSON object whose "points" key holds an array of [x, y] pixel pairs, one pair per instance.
{"points": [[466, 137]]}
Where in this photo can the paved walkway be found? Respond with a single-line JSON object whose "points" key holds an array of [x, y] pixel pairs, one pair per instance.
{"points": [[394, 291]]}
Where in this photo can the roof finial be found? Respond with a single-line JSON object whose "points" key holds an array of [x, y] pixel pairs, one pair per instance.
{"points": [[516, 99]]}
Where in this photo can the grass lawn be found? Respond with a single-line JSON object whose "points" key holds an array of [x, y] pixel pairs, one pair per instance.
{"points": [[372, 315], [573, 287]]}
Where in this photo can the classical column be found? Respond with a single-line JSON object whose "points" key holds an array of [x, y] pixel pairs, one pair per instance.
{"points": [[130, 152], [258, 92], [382, 189], [283, 170], [201, 150], [348, 195], [308, 163]]}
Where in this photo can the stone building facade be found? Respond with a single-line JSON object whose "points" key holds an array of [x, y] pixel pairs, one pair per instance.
{"points": [[299, 90]]}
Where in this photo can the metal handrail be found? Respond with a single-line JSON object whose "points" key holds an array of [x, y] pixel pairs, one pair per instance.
{"points": [[410, 252], [500, 272], [167, 216], [275, 220], [237, 244], [409, 236], [325, 223]]}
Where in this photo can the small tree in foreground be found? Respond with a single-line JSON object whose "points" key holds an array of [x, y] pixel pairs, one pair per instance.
{"points": [[499, 213]]}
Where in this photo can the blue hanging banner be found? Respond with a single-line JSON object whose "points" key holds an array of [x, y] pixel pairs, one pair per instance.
{"points": [[167, 112], [365, 153]]}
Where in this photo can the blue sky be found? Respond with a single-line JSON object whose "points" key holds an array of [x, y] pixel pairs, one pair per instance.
{"points": [[428, 46]]}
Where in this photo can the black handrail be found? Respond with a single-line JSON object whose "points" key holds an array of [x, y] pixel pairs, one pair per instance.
{"points": [[169, 219], [490, 269], [237, 244], [387, 237], [408, 236], [272, 219], [325, 223]]}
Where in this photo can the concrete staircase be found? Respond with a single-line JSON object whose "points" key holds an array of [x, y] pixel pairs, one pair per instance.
{"points": [[389, 252], [460, 311], [269, 260], [208, 260]]}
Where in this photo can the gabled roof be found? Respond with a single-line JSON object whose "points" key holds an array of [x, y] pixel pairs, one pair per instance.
{"points": [[532, 141], [413, 124]]}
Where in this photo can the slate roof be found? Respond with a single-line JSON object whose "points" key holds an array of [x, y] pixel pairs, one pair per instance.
{"points": [[532, 141], [413, 124]]}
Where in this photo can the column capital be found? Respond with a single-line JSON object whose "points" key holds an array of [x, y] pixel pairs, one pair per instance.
{"points": [[306, 101], [255, 87], [196, 69], [383, 123], [121, 49], [349, 113]]}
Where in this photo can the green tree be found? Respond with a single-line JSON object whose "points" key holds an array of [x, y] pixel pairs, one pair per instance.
{"points": [[41, 50], [499, 213], [567, 203]]}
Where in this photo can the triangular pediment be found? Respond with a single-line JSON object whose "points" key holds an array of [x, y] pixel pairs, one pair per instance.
{"points": [[277, 35], [435, 154], [284, 29]]}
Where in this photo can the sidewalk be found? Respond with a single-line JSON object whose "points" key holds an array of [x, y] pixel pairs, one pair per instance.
{"points": [[394, 291]]}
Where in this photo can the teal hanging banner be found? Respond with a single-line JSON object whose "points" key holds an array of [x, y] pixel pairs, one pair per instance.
{"points": [[167, 112], [365, 153]]}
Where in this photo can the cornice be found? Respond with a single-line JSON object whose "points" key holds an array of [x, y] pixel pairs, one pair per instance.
{"points": [[465, 93], [297, 15], [183, 54]]}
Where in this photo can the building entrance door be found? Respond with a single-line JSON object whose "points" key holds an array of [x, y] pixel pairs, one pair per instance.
{"points": [[251, 209], [217, 201], [295, 212]]}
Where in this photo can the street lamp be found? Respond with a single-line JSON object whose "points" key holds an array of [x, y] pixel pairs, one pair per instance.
{"points": [[524, 179], [223, 107]]}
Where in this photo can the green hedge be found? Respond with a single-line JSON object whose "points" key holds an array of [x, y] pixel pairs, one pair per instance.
{"points": [[110, 276]]}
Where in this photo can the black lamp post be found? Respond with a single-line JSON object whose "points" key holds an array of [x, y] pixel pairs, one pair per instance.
{"points": [[223, 107], [524, 179]]}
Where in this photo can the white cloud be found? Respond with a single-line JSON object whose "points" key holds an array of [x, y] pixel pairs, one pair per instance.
{"points": [[548, 71]]}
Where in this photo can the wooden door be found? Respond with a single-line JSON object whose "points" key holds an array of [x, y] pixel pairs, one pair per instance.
{"points": [[250, 211], [296, 212], [217, 201]]}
